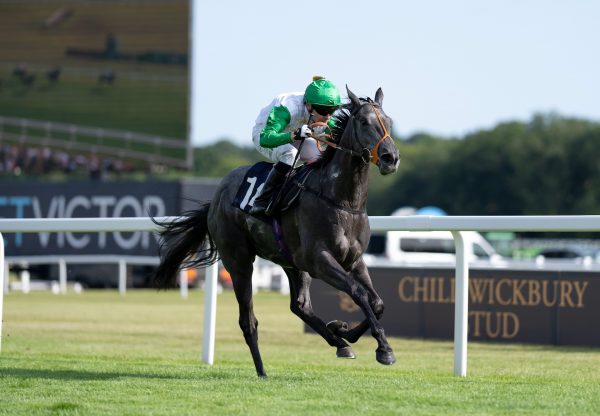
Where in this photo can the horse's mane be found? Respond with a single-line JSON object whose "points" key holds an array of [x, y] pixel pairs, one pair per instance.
{"points": [[340, 118]]}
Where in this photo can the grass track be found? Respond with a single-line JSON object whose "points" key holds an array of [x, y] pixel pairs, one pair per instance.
{"points": [[97, 353]]}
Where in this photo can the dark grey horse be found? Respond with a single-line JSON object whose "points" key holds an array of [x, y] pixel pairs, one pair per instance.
{"points": [[326, 233]]}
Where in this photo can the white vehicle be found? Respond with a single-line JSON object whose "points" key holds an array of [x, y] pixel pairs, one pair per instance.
{"points": [[426, 247]]}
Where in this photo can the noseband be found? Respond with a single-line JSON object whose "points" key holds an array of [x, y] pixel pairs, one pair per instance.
{"points": [[366, 155], [386, 135]]}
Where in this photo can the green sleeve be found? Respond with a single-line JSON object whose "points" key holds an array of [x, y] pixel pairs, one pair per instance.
{"points": [[331, 122], [273, 135]]}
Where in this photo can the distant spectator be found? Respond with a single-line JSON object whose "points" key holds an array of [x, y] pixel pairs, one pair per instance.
{"points": [[94, 168], [47, 164], [17, 160], [31, 159]]}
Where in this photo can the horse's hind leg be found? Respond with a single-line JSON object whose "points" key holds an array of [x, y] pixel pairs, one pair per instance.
{"points": [[301, 305], [240, 270], [342, 329]]}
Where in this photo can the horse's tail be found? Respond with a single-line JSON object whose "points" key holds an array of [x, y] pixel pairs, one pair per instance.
{"points": [[186, 243]]}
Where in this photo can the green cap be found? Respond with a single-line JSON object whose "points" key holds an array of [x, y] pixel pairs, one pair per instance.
{"points": [[322, 92]]}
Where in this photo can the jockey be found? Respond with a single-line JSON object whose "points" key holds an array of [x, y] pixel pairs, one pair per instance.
{"points": [[282, 126]]}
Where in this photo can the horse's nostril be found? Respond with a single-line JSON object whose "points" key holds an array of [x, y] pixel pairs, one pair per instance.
{"points": [[387, 158]]}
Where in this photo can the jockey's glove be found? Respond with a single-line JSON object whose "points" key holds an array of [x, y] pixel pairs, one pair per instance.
{"points": [[302, 133]]}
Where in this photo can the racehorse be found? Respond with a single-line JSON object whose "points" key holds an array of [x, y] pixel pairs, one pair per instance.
{"points": [[325, 233]]}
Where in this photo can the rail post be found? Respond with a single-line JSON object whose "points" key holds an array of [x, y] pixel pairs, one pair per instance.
{"points": [[2, 277], [122, 277], [461, 306], [183, 283], [210, 311], [62, 276]]}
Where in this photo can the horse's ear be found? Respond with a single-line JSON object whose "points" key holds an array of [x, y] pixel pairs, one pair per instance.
{"points": [[353, 98], [379, 96]]}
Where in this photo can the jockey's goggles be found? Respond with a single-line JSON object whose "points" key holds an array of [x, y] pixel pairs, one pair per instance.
{"points": [[324, 110]]}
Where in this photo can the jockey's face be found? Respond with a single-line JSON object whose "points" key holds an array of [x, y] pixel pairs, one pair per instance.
{"points": [[318, 115]]}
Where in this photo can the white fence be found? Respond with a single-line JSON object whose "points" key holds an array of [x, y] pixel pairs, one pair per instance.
{"points": [[409, 223], [63, 260]]}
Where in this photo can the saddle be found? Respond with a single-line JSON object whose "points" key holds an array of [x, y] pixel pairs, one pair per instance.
{"points": [[286, 195]]}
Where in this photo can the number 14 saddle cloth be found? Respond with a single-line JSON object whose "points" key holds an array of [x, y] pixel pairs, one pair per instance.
{"points": [[254, 181]]}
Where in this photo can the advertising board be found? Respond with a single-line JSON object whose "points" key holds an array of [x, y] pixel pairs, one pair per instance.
{"points": [[524, 306], [93, 199]]}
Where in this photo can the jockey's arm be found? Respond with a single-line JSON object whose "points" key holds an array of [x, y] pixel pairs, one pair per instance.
{"points": [[272, 135]]}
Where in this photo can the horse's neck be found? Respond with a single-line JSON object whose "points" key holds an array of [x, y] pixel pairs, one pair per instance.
{"points": [[346, 178]]}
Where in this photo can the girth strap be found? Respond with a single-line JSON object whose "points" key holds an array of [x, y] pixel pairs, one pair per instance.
{"points": [[278, 233]]}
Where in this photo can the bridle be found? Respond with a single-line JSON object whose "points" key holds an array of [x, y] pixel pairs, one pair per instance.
{"points": [[386, 135], [366, 155]]}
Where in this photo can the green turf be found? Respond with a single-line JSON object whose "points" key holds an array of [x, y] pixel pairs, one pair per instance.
{"points": [[98, 353]]}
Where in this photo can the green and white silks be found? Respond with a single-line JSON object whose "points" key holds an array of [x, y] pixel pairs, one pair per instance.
{"points": [[274, 126]]}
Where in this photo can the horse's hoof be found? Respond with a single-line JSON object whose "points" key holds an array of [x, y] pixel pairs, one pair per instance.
{"points": [[337, 327], [345, 352], [385, 357]]}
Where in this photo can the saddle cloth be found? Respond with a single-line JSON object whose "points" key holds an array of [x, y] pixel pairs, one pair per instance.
{"points": [[255, 179]]}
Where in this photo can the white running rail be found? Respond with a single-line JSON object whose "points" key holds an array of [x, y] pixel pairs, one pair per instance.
{"points": [[456, 224], [97, 225]]}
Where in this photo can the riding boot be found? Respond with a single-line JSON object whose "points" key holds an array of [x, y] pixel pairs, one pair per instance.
{"points": [[262, 203]]}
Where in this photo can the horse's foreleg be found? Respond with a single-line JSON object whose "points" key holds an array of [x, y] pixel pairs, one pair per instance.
{"points": [[329, 270], [353, 334], [301, 305]]}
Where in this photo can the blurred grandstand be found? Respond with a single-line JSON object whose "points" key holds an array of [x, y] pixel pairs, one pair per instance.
{"points": [[93, 87], [17, 160]]}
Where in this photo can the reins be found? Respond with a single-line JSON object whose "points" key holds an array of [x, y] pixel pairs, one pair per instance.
{"points": [[332, 144]]}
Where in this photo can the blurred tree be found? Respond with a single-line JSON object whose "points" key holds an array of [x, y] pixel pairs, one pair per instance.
{"points": [[549, 165], [218, 159]]}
